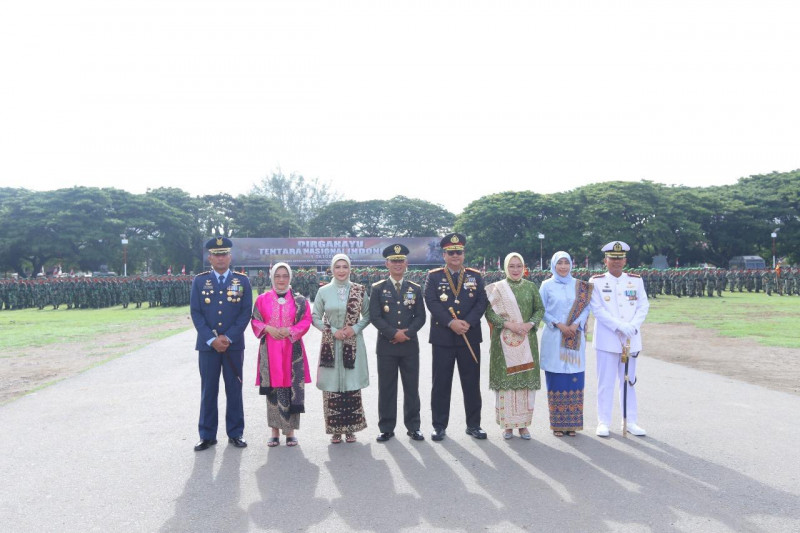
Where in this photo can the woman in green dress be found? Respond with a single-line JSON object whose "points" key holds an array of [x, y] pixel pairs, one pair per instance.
{"points": [[514, 312], [341, 312]]}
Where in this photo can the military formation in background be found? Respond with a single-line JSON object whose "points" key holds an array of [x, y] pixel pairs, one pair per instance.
{"points": [[95, 293], [164, 291]]}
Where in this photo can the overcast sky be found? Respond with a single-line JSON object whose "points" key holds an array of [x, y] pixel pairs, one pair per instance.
{"points": [[444, 101]]}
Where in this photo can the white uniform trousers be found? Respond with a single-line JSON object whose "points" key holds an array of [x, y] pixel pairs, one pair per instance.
{"points": [[611, 370]]}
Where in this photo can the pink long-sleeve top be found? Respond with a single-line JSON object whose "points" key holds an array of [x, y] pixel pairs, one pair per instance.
{"points": [[280, 350]]}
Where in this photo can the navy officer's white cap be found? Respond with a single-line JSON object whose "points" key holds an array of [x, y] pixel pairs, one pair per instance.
{"points": [[616, 249]]}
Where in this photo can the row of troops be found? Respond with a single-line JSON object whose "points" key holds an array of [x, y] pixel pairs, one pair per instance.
{"points": [[680, 282], [95, 293], [691, 282], [165, 291]]}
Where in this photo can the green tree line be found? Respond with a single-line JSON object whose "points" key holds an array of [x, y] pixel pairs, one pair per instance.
{"points": [[81, 228]]}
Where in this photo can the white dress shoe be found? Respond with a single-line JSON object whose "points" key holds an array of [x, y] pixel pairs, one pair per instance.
{"points": [[633, 429], [602, 430]]}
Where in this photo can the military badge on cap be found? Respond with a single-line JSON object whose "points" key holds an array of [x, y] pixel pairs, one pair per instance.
{"points": [[395, 252], [219, 245], [616, 249], [453, 241]]}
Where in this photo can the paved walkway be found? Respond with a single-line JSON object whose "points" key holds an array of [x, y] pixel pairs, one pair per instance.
{"points": [[111, 450]]}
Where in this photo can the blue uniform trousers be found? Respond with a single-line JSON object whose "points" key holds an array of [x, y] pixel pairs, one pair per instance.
{"points": [[211, 362]]}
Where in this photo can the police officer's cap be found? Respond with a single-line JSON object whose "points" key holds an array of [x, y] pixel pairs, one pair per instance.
{"points": [[219, 245], [395, 252], [616, 249], [453, 241]]}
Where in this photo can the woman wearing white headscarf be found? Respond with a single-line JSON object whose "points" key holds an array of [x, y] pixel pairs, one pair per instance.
{"points": [[280, 319], [341, 312], [514, 312], [563, 353]]}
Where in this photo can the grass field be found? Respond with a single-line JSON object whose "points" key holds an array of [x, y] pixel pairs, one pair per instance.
{"points": [[769, 320], [31, 327]]}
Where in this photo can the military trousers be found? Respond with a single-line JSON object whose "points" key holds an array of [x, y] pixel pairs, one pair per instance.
{"points": [[610, 371], [211, 364], [444, 360], [407, 366]]}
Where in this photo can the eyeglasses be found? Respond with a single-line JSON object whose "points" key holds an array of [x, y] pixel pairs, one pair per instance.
{"points": [[455, 252]]}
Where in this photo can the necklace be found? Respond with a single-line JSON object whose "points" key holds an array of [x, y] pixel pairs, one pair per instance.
{"points": [[455, 290]]}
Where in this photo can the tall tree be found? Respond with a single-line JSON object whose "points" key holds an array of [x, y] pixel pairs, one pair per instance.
{"points": [[258, 216], [398, 217], [302, 197]]}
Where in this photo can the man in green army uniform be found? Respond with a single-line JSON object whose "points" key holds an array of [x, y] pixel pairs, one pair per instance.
{"points": [[260, 282], [397, 311], [768, 280], [710, 279]]}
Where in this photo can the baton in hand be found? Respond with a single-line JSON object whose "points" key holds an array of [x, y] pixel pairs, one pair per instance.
{"points": [[464, 336]]}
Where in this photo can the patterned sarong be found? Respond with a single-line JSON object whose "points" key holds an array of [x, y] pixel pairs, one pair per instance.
{"points": [[516, 348], [276, 412], [514, 408], [344, 412], [565, 400]]}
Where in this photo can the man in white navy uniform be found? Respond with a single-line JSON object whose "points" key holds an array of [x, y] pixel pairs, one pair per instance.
{"points": [[619, 304]]}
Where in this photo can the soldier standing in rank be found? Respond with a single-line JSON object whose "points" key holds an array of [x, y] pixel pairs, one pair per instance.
{"points": [[619, 304], [456, 299], [221, 303], [397, 311]]}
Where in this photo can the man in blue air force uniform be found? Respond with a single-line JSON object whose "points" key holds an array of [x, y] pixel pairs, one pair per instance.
{"points": [[397, 311], [221, 304]]}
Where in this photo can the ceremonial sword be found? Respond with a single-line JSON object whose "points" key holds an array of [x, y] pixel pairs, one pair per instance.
{"points": [[626, 351]]}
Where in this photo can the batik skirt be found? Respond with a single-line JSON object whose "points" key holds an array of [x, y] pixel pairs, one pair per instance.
{"points": [[344, 412], [276, 414], [565, 399]]}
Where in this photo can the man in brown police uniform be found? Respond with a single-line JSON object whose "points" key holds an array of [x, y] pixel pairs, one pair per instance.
{"points": [[456, 299]]}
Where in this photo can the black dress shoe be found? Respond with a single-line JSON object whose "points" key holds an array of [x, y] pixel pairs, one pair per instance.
{"points": [[476, 432], [416, 434], [239, 442], [438, 434], [383, 437], [204, 444]]}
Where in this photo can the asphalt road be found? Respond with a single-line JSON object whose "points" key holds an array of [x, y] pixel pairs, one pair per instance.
{"points": [[111, 450]]}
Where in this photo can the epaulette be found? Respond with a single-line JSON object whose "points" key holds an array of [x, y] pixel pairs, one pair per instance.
{"points": [[240, 273], [631, 274], [598, 276], [413, 283], [474, 270], [378, 282], [435, 270], [206, 272]]}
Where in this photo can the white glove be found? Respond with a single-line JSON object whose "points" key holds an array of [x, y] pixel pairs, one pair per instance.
{"points": [[627, 329]]}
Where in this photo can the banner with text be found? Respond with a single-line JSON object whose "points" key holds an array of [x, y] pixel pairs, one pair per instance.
{"points": [[311, 251]]}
